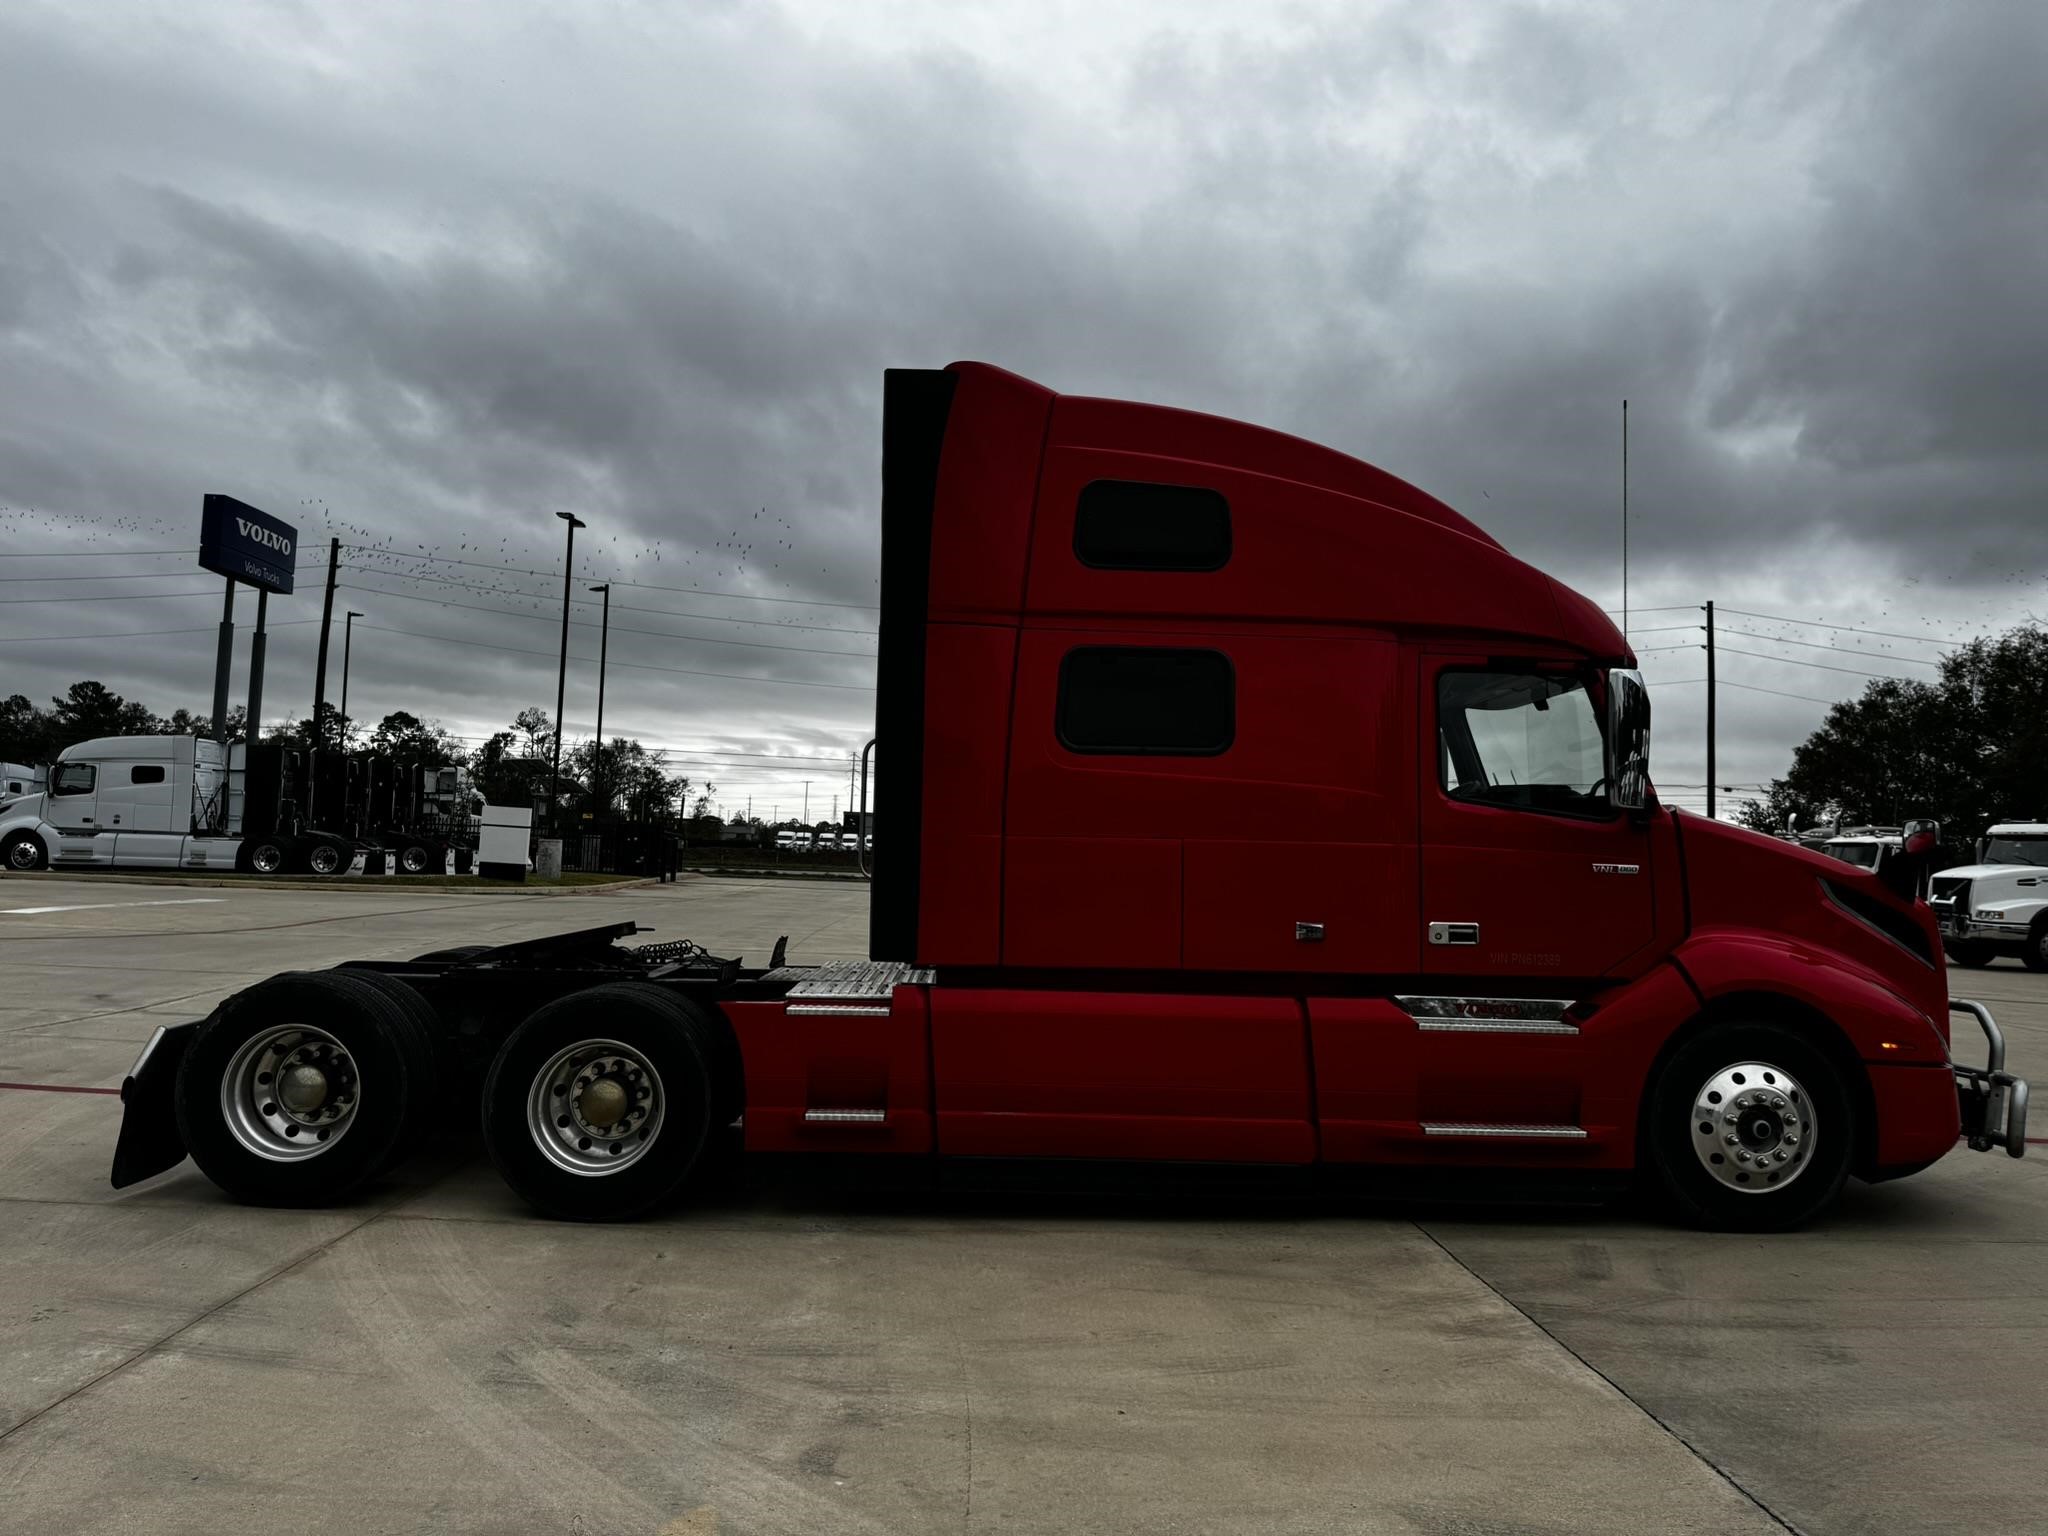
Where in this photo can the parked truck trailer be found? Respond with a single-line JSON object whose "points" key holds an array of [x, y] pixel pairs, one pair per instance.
{"points": [[1250, 809]]}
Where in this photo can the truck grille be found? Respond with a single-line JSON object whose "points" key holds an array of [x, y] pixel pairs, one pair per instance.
{"points": [[1950, 892]]}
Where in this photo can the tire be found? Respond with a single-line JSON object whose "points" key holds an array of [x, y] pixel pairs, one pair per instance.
{"points": [[414, 859], [1707, 1083], [1974, 953], [358, 1042], [655, 1047], [24, 852], [2035, 956], [264, 856], [454, 956], [430, 1067], [323, 856]]}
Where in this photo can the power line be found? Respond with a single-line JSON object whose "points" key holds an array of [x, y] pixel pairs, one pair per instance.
{"points": [[1749, 687], [649, 586], [617, 629], [553, 601], [1800, 661], [115, 597], [1683, 645], [119, 576], [1778, 618], [127, 634], [1822, 645], [641, 666]]}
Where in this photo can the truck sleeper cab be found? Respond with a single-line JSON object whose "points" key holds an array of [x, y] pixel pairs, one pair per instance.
{"points": [[1249, 807]]}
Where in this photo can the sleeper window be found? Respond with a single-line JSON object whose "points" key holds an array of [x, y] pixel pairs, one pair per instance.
{"points": [[1143, 701], [1132, 525]]}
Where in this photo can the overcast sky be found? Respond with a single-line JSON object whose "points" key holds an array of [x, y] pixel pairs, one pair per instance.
{"points": [[420, 276]]}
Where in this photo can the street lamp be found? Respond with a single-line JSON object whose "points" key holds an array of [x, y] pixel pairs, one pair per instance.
{"points": [[562, 674], [348, 628], [604, 634]]}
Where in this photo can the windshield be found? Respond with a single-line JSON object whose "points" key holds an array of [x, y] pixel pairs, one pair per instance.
{"points": [[1530, 740], [2016, 850], [1863, 855]]}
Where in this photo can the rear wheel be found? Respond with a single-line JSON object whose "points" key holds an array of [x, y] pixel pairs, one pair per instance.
{"points": [[264, 855], [414, 858], [432, 1101], [24, 851], [324, 856], [300, 1090], [1974, 953], [598, 1107], [1750, 1128]]}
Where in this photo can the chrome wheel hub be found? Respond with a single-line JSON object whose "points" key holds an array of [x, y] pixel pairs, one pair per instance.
{"points": [[266, 860], [22, 855], [290, 1093], [1753, 1127], [596, 1107]]}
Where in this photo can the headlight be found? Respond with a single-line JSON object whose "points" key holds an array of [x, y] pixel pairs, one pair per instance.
{"points": [[1990, 916]]}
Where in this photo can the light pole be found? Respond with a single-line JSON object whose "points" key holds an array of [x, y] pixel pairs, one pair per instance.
{"points": [[348, 629], [562, 674], [604, 635]]}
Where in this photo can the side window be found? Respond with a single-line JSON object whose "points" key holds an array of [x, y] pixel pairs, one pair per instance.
{"points": [[146, 773], [74, 779], [1147, 701], [1529, 740], [1132, 525]]}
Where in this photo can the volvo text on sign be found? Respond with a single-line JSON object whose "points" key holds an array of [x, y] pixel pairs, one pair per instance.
{"points": [[238, 541]]}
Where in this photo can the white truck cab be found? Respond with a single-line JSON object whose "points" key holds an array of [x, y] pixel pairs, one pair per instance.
{"points": [[1998, 905], [146, 801]]}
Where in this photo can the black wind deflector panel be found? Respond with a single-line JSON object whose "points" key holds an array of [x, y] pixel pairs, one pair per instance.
{"points": [[916, 403]]}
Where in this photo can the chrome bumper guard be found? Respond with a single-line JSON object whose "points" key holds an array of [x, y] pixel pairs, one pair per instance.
{"points": [[1993, 1101]]}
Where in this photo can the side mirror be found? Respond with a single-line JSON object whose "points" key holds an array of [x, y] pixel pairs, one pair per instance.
{"points": [[1906, 872], [1628, 740]]}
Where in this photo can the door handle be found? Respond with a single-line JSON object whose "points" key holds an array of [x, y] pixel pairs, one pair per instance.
{"points": [[1454, 933]]}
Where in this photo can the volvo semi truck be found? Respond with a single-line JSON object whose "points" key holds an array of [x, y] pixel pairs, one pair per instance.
{"points": [[1251, 811], [1998, 905]]}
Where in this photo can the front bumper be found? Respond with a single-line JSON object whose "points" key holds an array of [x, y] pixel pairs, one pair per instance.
{"points": [[1971, 928], [1992, 1100]]}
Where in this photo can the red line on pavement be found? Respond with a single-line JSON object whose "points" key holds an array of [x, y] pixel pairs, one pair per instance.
{"points": [[57, 1088]]}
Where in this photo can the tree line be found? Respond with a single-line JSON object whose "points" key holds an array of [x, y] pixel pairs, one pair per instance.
{"points": [[1968, 749], [511, 767]]}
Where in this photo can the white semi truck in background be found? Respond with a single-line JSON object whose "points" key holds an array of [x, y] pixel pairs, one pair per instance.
{"points": [[1998, 905], [168, 802]]}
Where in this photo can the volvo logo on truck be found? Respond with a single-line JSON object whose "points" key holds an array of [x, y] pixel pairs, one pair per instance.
{"points": [[242, 542]]}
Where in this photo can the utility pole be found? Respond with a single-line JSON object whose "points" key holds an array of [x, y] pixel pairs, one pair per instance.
{"points": [[222, 663], [562, 674], [807, 802], [254, 729], [1710, 711], [348, 630], [1624, 519], [604, 635], [326, 624], [313, 736]]}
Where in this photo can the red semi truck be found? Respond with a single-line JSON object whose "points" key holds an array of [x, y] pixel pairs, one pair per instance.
{"points": [[1249, 809]]}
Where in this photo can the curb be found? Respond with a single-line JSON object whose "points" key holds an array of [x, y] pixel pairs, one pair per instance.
{"points": [[337, 883]]}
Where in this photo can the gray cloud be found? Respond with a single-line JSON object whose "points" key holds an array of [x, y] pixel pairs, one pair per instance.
{"points": [[433, 279]]}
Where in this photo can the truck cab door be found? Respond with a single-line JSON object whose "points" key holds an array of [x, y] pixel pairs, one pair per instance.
{"points": [[1527, 872], [73, 809]]}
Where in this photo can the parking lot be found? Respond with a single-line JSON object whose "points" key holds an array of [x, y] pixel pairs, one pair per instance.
{"points": [[790, 1359]]}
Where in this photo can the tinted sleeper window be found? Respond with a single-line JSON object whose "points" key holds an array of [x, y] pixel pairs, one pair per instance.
{"points": [[1147, 701], [1131, 525], [146, 774]]}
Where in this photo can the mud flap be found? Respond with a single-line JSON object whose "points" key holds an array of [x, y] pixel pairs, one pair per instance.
{"points": [[149, 1142]]}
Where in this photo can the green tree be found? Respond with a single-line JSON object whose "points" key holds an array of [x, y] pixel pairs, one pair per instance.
{"points": [[1969, 749], [90, 709], [409, 738]]}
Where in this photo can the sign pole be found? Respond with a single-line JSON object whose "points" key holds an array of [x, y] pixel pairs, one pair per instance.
{"points": [[254, 729], [223, 661]]}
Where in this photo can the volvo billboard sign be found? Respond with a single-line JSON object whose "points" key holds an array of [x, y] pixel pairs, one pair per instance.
{"points": [[243, 544]]}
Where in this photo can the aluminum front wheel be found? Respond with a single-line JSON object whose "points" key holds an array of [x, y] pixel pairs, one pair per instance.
{"points": [[596, 1107], [1753, 1127], [24, 853], [290, 1093]]}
